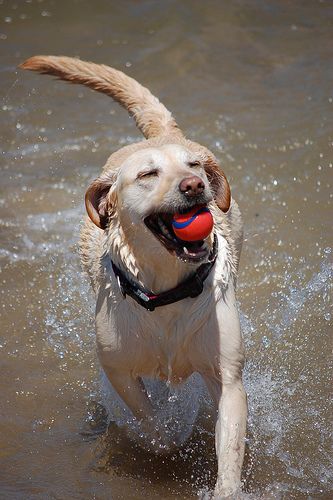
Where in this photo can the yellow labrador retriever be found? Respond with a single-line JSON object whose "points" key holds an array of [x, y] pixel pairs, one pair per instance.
{"points": [[166, 308]]}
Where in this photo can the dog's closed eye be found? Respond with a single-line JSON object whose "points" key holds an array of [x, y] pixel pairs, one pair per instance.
{"points": [[193, 164], [148, 173]]}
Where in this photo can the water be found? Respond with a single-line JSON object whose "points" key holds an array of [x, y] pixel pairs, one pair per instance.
{"points": [[252, 80]]}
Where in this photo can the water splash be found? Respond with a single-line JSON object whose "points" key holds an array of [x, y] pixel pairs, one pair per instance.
{"points": [[176, 407], [299, 296], [286, 382], [280, 424]]}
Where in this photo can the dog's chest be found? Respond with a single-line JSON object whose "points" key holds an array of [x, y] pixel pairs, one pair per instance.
{"points": [[154, 344], [161, 339]]}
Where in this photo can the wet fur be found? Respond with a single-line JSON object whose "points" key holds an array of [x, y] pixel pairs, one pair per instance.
{"points": [[194, 335]]}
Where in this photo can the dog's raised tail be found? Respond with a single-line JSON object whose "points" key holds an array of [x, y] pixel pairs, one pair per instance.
{"points": [[151, 117]]}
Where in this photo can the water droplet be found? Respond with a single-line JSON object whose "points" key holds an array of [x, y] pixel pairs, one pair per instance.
{"points": [[265, 341]]}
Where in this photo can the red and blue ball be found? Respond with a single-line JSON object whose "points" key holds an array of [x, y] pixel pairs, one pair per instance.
{"points": [[194, 225]]}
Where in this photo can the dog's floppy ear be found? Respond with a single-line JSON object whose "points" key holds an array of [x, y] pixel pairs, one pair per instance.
{"points": [[219, 184], [97, 203]]}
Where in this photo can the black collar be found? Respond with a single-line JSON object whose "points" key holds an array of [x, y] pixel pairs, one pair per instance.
{"points": [[191, 287]]}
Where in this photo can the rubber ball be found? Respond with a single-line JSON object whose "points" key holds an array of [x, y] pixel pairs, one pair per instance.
{"points": [[194, 225]]}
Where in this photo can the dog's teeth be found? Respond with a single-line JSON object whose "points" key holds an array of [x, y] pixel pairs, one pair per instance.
{"points": [[185, 250]]}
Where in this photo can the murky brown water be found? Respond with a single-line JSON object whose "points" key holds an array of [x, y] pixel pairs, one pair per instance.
{"points": [[253, 81]]}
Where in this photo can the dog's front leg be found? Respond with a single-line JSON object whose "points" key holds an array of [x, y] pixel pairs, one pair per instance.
{"points": [[230, 438], [132, 391], [230, 402], [227, 391]]}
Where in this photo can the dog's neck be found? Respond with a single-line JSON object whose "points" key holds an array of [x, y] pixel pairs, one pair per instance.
{"points": [[143, 259]]}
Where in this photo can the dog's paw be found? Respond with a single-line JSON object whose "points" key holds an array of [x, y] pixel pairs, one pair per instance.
{"points": [[227, 492]]}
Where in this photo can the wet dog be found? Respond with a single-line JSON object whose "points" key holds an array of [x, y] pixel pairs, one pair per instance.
{"points": [[166, 308]]}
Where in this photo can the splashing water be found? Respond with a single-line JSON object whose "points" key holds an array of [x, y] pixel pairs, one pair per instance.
{"points": [[278, 418], [286, 384], [176, 407]]}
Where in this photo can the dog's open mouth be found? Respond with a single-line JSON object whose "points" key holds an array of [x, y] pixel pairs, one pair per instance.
{"points": [[160, 225]]}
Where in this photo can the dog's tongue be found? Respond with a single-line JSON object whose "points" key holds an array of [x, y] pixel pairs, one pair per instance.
{"points": [[194, 225]]}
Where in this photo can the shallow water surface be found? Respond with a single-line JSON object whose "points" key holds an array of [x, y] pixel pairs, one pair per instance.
{"points": [[252, 80]]}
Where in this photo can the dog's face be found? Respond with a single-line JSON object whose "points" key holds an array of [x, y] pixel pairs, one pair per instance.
{"points": [[151, 186]]}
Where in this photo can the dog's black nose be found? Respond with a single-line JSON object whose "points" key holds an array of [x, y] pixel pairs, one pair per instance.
{"points": [[192, 186]]}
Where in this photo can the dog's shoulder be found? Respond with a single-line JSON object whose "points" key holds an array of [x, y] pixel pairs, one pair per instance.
{"points": [[91, 249]]}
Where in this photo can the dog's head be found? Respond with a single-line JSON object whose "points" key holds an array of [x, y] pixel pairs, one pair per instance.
{"points": [[165, 175], [153, 184]]}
